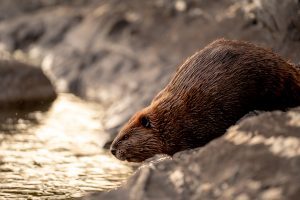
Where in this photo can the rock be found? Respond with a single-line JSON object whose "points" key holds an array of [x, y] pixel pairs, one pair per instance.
{"points": [[13, 8], [23, 86], [259, 158], [281, 22]]}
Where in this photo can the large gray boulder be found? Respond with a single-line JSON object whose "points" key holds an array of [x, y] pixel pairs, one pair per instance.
{"points": [[259, 158], [23, 86]]}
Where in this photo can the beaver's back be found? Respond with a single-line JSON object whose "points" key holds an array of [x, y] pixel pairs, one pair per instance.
{"points": [[221, 83], [240, 72]]}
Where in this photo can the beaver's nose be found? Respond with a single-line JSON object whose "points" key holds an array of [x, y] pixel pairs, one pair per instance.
{"points": [[113, 150]]}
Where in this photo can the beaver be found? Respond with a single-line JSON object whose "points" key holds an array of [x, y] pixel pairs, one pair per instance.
{"points": [[209, 92]]}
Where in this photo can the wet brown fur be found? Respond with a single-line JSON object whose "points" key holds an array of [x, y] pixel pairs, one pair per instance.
{"points": [[211, 91]]}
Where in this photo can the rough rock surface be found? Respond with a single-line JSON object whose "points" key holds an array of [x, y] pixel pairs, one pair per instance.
{"points": [[257, 159], [122, 53], [23, 86]]}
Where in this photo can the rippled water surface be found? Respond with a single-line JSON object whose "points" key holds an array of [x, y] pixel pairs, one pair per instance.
{"points": [[56, 154]]}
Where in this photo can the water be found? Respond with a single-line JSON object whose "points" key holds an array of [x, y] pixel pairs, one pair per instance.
{"points": [[56, 154]]}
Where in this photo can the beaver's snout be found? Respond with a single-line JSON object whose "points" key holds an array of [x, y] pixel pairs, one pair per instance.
{"points": [[113, 150], [136, 146], [117, 148], [118, 152]]}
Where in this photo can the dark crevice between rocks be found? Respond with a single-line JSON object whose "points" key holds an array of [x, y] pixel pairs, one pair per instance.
{"points": [[26, 34], [118, 27]]}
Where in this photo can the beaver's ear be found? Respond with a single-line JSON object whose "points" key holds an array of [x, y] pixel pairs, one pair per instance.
{"points": [[145, 122]]}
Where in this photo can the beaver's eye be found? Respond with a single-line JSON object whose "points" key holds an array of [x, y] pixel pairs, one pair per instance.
{"points": [[145, 122], [126, 137]]}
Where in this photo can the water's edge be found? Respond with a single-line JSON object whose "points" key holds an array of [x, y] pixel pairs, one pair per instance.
{"points": [[56, 154]]}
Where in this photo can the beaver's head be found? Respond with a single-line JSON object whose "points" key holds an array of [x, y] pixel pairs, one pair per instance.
{"points": [[153, 130], [139, 139]]}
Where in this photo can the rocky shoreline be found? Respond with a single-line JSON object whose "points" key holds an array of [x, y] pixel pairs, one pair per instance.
{"points": [[120, 54]]}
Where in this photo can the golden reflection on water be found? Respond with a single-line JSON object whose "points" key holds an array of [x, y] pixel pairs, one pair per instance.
{"points": [[56, 154]]}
